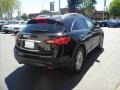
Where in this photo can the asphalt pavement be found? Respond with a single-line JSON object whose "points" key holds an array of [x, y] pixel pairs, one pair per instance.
{"points": [[100, 72]]}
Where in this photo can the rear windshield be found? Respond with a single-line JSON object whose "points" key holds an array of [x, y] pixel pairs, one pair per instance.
{"points": [[43, 26]]}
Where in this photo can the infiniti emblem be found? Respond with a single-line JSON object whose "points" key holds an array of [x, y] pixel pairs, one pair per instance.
{"points": [[26, 36]]}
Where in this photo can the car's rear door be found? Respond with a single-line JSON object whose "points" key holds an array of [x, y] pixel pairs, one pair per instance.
{"points": [[95, 34], [82, 31]]}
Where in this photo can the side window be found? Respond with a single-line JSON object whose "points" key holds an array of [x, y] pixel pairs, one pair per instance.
{"points": [[79, 24], [74, 27], [89, 23]]}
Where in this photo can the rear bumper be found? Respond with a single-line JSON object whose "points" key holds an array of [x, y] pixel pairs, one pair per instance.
{"points": [[16, 30], [41, 61], [6, 30]]}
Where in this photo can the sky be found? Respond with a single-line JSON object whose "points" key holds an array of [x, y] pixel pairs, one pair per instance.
{"points": [[35, 6]]}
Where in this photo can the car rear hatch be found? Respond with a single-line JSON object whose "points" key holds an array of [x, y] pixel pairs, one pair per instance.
{"points": [[33, 37]]}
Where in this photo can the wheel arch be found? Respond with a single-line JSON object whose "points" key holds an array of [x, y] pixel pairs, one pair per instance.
{"points": [[78, 46]]}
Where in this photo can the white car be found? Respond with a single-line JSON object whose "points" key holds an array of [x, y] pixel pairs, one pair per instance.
{"points": [[18, 27], [8, 28], [14, 27], [2, 22]]}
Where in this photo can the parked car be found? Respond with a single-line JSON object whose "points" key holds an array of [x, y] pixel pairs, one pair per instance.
{"points": [[62, 41], [118, 22], [113, 23], [13, 26], [102, 23], [9, 27], [18, 27], [2, 22]]}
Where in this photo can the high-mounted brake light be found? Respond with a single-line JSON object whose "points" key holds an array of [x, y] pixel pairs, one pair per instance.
{"points": [[59, 41], [40, 20]]}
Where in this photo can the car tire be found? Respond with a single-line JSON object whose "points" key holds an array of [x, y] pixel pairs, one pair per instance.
{"points": [[6, 32], [77, 61], [100, 46]]}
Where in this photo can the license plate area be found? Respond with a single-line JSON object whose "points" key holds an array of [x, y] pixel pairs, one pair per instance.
{"points": [[29, 44], [40, 46]]}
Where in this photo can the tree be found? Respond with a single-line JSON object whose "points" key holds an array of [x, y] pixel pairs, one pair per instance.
{"points": [[45, 12], [114, 8], [87, 6], [55, 13], [7, 6], [72, 5], [24, 16]]}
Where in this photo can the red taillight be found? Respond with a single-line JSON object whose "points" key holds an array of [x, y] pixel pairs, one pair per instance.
{"points": [[59, 41]]}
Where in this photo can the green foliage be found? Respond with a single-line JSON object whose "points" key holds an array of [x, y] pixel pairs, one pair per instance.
{"points": [[45, 12], [55, 13], [7, 6], [114, 8], [87, 6], [24, 16], [83, 4]]}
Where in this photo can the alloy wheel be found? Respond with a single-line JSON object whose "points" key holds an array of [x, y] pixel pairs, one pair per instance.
{"points": [[79, 60]]}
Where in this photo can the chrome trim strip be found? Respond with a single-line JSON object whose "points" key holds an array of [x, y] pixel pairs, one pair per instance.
{"points": [[73, 23], [30, 40]]}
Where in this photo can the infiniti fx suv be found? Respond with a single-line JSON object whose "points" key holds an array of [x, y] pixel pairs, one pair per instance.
{"points": [[58, 41]]}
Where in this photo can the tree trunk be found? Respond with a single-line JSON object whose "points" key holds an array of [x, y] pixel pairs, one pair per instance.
{"points": [[72, 5]]}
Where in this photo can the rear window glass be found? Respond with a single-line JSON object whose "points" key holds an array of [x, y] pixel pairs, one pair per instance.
{"points": [[43, 21], [43, 26]]}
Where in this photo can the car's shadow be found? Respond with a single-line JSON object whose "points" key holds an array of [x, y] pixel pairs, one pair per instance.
{"points": [[26, 78]]}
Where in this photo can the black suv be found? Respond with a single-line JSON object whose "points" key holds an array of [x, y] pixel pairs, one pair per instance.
{"points": [[57, 41]]}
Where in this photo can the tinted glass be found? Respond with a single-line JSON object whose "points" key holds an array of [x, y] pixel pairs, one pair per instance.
{"points": [[68, 23], [43, 26], [79, 24], [89, 23]]}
